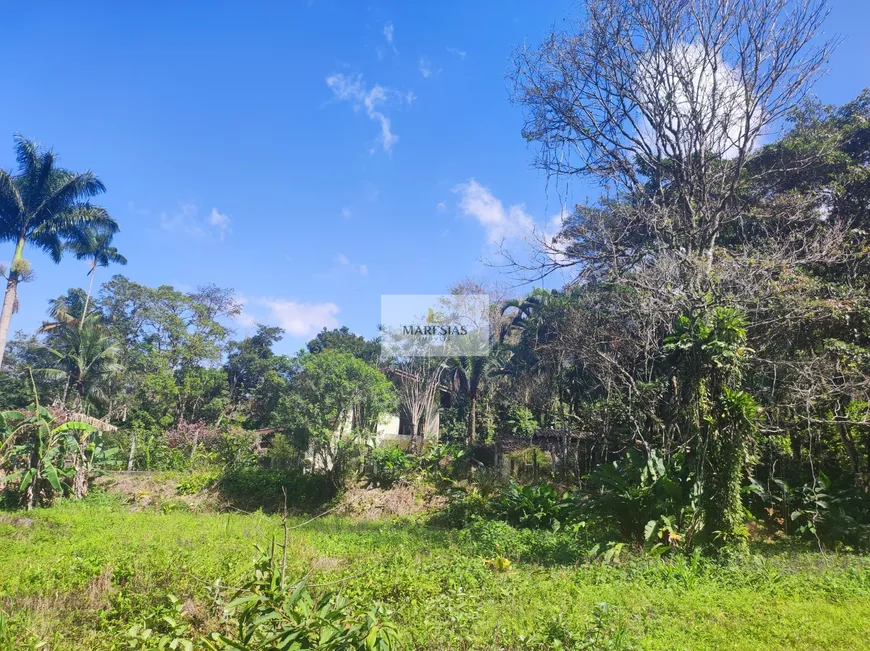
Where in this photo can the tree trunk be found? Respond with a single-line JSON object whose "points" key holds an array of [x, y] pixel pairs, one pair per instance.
{"points": [[88, 297], [415, 435], [80, 479], [10, 299], [472, 419], [132, 451], [851, 450]]}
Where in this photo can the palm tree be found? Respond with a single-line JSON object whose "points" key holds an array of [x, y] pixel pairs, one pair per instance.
{"points": [[95, 245], [45, 206], [86, 355], [468, 375]]}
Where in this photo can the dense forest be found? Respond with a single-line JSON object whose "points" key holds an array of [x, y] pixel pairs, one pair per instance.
{"points": [[701, 384]]}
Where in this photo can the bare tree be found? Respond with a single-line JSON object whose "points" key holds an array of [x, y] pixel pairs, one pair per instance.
{"points": [[664, 101], [419, 380]]}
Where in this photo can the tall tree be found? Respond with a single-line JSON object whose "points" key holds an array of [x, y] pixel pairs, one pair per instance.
{"points": [[43, 205], [86, 356], [95, 245], [662, 102]]}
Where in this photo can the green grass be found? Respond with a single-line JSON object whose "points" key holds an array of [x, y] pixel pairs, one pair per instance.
{"points": [[80, 573]]}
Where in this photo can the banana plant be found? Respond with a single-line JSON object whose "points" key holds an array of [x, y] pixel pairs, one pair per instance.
{"points": [[46, 460]]}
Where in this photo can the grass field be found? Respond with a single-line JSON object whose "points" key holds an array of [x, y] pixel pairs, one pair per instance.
{"points": [[79, 574]]}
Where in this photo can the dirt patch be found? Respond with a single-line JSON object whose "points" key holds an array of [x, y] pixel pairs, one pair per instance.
{"points": [[365, 503], [156, 489], [98, 588]]}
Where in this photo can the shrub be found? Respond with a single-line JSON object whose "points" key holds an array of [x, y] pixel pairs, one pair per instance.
{"points": [[818, 511], [386, 465], [196, 483], [494, 538], [534, 507], [270, 614], [253, 488], [637, 499], [462, 508], [491, 538]]}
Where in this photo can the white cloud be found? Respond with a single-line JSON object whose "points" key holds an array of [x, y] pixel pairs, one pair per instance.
{"points": [[301, 319], [499, 223], [555, 247], [354, 90], [246, 320], [457, 52], [343, 260], [425, 67], [186, 221], [219, 221], [700, 90], [389, 30], [441, 206]]}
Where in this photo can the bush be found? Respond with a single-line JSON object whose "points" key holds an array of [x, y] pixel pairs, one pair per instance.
{"points": [[494, 538], [489, 538], [386, 465], [196, 483], [534, 507], [462, 508], [638, 500], [270, 615], [253, 488], [817, 511]]}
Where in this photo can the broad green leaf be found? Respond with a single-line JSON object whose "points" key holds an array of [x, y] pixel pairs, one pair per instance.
{"points": [[51, 476]]}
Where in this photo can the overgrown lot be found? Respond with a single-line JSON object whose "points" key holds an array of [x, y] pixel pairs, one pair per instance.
{"points": [[80, 575]]}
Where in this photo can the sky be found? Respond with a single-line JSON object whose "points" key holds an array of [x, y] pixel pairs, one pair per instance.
{"points": [[310, 154]]}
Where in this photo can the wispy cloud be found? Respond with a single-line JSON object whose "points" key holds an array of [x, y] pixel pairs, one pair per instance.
{"points": [[302, 319], [389, 30], [457, 52], [343, 260], [425, 67], [297, 318], [185, 220], [353, 89], [505, 225], [498, 222], [219, 221]]}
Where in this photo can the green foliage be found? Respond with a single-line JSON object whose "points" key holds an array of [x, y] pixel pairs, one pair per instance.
{"points": [[520, 421], [162, 628], [272, 613], [605, 632], [344, 341], [435, 581], [386, 465], [335, 399], [537, 506], [46, 460], [197, 482], [816, 510], [643, 500], [251, 488]]}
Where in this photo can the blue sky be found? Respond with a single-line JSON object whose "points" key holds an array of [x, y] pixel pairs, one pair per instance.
{"points": [[312, 155]]}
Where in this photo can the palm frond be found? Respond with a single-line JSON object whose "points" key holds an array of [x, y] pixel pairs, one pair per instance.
{"points": [[68, 188], [11, 207], [26, 152]]}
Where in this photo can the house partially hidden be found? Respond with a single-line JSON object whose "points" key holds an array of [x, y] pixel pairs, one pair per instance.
{"points": [[395, 427]]}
